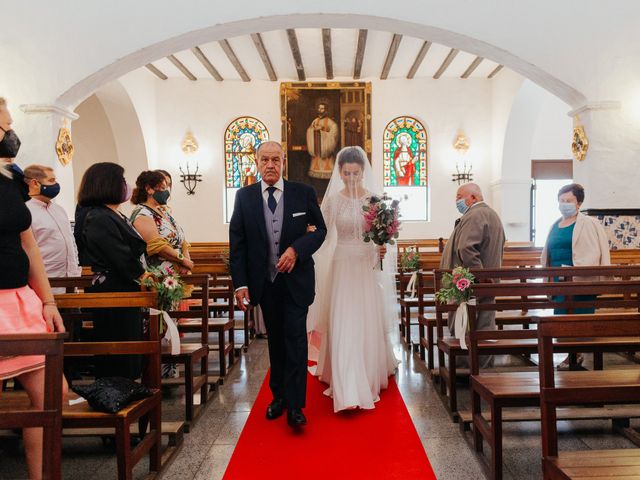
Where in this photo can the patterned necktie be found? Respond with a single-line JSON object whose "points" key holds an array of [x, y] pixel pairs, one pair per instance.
{"points": [[271, 201]]}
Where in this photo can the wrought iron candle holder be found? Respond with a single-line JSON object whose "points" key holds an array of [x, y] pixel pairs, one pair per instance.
{"points": [[190, 180]]}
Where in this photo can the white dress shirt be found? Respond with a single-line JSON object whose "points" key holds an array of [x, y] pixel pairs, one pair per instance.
{"points": [[277, 194], [52, 230]]}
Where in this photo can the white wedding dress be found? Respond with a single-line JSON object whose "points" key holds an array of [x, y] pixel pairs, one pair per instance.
{"points": [[352, 311]]}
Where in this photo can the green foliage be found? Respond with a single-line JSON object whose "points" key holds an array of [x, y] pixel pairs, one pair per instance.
{"points": [[409, 260]]}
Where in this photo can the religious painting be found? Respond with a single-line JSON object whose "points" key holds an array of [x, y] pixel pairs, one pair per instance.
{"points": [[404, 159], [405, 153], [241, 140], [318, 119]]}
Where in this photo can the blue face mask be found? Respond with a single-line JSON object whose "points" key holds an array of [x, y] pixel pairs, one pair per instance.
{"points": [[50, 191], [567, 210], [461, 206]]}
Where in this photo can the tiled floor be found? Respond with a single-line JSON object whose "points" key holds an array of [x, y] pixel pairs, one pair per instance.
{"points": [[209, 446]]}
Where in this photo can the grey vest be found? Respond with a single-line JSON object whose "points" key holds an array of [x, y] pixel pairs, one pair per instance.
{"points": [[274, 222]]}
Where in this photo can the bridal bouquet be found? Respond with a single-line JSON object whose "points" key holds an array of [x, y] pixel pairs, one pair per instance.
{"points": [[456, 286], [382, 224]]}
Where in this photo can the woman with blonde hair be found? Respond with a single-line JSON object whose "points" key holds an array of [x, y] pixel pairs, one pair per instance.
{"points": [[26, 302]]}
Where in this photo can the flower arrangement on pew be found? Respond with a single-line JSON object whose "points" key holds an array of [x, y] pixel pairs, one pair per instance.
{"points": [[170, 289], [382, 221], [168, 285], [410, 262], [456, 289]]}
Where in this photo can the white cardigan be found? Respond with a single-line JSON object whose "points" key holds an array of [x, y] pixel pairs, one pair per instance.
{"points": [[589, 244]]}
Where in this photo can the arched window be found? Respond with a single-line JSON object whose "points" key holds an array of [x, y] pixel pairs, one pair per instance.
{"points": [[241, 140], [404, 147]]}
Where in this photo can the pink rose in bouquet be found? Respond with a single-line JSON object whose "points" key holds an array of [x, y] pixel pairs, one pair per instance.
{"points": [[381, 218]]}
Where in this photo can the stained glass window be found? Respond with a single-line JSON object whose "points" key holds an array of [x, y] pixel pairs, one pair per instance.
{"points": [[241, 141], [404, 146]]}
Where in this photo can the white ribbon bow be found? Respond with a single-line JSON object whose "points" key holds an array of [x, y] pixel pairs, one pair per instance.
{"points": [[172, 336], [411, 286], [461, 323]]}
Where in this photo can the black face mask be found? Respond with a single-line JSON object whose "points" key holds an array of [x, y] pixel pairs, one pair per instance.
{"points": [[10, 144]]}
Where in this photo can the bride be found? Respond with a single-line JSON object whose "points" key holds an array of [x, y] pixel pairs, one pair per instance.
{"points": [[354, 311]]}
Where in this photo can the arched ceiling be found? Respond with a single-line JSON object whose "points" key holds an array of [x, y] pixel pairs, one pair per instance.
{"points": [[322, 53]]}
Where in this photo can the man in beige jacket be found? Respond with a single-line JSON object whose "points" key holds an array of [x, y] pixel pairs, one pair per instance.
{"points": [[476, 242]]}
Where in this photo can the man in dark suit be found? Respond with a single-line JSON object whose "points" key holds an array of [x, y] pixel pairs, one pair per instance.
{"points": [[271, 266]]}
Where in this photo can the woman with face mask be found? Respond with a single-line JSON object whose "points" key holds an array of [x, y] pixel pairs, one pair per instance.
{"points": [[575, 240], [27, 304], [108, 243], [166, 243]]}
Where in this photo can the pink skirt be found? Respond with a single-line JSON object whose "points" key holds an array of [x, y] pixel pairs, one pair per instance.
{"points": [[20, 312]]}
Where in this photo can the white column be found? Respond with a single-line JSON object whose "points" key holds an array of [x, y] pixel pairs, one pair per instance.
{"points": [[610, 173], [39, 133], [511, 200]]}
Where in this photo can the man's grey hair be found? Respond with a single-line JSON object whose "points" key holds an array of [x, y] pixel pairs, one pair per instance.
{"points": [[269, 142], [473, 189]]}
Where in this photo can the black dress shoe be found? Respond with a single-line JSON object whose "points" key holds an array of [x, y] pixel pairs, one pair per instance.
{"points": [[295, 418], [275, 409]]}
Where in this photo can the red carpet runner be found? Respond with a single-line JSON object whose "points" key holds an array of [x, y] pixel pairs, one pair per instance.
{"points": [[361, 444]]}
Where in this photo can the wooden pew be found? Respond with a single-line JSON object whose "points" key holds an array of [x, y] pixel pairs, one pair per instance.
{"points": [[16, 410], [520, 303], [594, 388], [223, 326], [192, 353], [147, 412]]}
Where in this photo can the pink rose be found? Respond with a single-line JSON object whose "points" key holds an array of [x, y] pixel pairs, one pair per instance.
{"points": [[462, 284]]}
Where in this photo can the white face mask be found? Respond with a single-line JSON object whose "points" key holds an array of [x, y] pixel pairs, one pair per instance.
{"points": [[567, 209]]}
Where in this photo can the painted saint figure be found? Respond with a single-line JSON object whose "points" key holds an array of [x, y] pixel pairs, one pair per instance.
{"points": [[322, 140], [404, 160], [247, 156]]}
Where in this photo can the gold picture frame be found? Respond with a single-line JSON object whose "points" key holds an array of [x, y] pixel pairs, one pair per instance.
{"points": [[64, 146], [579, 143], [318, 119]]}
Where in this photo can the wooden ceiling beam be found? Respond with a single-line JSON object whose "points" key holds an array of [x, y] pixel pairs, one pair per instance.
{"points": [[156, 71], [297, 56], [471, 68], [447, 61], [495, 71], [226, 47], [180, 66], [264, 56], [206, 63], [328, 59], [391, 55], [362, 43], [419, 58]]}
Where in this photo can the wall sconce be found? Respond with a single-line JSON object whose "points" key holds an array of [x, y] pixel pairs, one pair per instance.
{"points": [[190, 179], [463, 167]]}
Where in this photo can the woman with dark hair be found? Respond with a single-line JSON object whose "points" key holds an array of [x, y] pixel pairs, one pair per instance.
{"points": [[166, 243], [108, 243], [575, 240]]}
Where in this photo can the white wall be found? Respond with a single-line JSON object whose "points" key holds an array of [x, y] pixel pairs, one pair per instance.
{"points": [[207, 107], [93, 139]]}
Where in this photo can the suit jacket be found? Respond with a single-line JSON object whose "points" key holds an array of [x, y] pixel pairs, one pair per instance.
{"points": [[248, 241], [477, 240], [108, 243]]}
